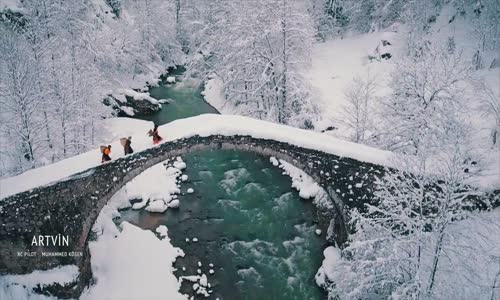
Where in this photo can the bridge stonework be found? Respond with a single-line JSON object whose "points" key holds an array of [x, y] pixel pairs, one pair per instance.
{"points": [[71, 206]]}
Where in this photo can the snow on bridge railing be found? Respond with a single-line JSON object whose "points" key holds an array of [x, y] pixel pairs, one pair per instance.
{"points": [[203, 125]]}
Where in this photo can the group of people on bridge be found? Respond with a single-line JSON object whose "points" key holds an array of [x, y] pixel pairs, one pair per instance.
{"points": [[126, 143]]}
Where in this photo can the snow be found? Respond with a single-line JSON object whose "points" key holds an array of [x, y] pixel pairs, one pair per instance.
{"points": [[174, 203], [190, 191], [303, 183], [206, 125], [157, 206], [336, 62], [467, 268], [13, 5], [332, 257], [156, 185], [162, 230], [213, 93], [318, 231], [128, 110], [165, 101], [21, 286], [118, 265], [138, 96], [171, 79], [184, 177], [179, 164], [472, 258], [120, 254], [203, 280]]}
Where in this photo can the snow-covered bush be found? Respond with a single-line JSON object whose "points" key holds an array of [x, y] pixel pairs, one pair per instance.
{"points": [[399, 243]]}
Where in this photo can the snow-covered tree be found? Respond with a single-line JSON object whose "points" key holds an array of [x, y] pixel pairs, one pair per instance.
{"points": [[490, 106], [358, 111], [328, 17], [20, 106], [398, 242], [259, 56], [427, 97]]}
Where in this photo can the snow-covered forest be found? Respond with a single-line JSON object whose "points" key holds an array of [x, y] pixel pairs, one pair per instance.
{"points": [[417, 78], [61, 58]]}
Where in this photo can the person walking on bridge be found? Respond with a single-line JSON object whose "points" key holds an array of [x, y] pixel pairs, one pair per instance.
{"points": [[105, 153], [154, 133], [126, 142]]}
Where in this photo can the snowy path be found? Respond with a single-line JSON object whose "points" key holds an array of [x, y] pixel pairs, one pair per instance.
{"points": [[203, 125]]}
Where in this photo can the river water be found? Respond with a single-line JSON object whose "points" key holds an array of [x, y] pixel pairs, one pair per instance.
{"points": [[249, 223]]}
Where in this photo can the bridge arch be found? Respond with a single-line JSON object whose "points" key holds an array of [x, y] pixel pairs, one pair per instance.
{"points": [[70, 207]]}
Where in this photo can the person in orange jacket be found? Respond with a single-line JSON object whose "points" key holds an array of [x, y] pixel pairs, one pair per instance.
{"points": [[105, 153]]}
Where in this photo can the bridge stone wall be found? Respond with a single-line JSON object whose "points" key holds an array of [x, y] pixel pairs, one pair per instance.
{"points": [[71, 206]]}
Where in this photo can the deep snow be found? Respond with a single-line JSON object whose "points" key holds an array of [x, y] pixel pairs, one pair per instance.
{"points": [[20, 286]]}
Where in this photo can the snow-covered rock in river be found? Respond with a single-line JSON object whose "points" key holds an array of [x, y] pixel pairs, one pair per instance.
{"points": [[171, 79], [162, 230], [332, 257], [127, 102], [174, 203], [157, 206], [179, 163], [165, 101], [274, 161]]}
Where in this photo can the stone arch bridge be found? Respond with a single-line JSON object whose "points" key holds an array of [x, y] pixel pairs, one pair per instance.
{"points": [[70, 207]]}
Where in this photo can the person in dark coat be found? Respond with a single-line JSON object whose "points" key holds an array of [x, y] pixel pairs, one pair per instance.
{"points": [[126, 146]]}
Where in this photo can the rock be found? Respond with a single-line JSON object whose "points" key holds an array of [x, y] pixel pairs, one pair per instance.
{"points": [[174, 203], [164, 101], [171, 79], [204, 280], [127, 106], [190, 191]]}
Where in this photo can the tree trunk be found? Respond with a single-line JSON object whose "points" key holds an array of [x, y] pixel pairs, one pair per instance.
{"points": [[437, 253], [281, 108], [494, 286]]}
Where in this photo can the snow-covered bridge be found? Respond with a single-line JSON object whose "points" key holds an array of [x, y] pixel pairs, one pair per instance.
{"points": [[65, 198]]}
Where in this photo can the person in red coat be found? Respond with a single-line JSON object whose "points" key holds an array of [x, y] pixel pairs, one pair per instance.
{"points": [[154, 133]]}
